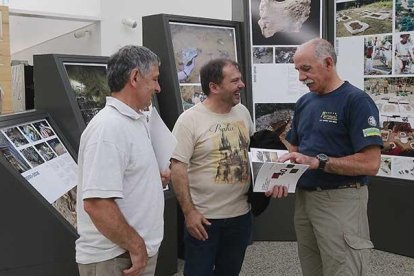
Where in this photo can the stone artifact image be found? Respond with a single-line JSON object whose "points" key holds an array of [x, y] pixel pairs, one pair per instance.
{"points": [[12, 155], [262, 55], [32, 156], [284, 54], [284, 22], [66, 206], [282, 16], [15, 136]]}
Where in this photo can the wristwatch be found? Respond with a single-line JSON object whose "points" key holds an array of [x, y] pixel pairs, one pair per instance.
{"points": [[323, 159]]}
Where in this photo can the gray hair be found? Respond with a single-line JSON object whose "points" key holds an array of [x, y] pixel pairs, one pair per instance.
{"points": [[323, 49], [125, 60]]}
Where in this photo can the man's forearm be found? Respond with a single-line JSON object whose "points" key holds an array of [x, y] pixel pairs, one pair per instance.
{"points": [[109, 220], [365, 162], [180, 182]]}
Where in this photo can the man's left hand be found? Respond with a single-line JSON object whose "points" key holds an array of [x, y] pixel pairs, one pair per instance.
{"points": [[277, 192], [165, 177]]}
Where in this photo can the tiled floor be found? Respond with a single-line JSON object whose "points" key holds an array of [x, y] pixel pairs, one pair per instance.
{"points": [[280, 258]]}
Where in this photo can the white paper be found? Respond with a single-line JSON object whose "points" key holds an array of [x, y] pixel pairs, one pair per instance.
{"points": [[163, 141], [267, 173], [53, 178]]}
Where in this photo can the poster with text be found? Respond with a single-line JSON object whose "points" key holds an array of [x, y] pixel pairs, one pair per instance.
{"points": [[35, 151], [277, 28]]}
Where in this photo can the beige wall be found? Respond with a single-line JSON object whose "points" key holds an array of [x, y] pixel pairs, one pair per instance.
{"points": [[5, 67]]}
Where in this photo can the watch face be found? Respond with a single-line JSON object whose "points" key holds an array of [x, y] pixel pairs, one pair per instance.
{"points": [[322, 157]]}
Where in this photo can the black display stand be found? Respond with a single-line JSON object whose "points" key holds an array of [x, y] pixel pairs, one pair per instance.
{"points": [[157, 37], [276, 222], [167, 255], [35, 239], [390, 214], [54, 93]]}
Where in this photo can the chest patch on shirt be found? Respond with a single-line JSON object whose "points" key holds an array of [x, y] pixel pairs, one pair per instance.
{"points": [[329, 117], [372, 131]]}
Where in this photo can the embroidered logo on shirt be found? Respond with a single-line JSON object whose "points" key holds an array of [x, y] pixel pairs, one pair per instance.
{"points": [[329, 117], [372, 121], [372, 131]]}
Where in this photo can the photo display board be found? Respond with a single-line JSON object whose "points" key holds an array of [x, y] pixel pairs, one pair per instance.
{"points": [[374, 42], [184, 44], [276, 28], [90, 87], [193, 46], [35, 150], [72, 89]]}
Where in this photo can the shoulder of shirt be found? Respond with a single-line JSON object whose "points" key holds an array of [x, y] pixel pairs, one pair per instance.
{"points": [[190, 114]]}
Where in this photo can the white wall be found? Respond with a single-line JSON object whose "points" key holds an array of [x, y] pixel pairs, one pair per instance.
{"points": [[112, 34], [68, 7], [115, 35], [66, 44]]}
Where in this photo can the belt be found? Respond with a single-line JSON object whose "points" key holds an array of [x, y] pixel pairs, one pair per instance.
{"points": [[355, 185]]}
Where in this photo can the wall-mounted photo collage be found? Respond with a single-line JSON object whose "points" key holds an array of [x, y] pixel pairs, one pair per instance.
{"points": [[383, 31], [35, 151], [194, 45]]}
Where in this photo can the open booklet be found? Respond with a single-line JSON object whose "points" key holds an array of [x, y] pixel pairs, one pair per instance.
{"points": [[267, 172]]}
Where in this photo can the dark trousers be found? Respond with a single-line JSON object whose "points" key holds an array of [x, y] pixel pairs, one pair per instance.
{"points": [[222, 254]]}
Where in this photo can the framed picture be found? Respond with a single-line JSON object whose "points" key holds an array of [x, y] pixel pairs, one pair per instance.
{"points": [[196, 44], [89, 84], [184, 44]]}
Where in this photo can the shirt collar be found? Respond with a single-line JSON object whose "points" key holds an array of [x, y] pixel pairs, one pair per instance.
{"points": [[123, 108]]}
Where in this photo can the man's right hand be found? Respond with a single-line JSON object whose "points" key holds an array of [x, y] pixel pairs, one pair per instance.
{"points": [[139, 261], [195, 222]]}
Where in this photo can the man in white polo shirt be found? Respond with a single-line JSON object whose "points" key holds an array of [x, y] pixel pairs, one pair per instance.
{"points": [[120, 200]]}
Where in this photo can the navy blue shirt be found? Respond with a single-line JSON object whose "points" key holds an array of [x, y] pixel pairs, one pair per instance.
{"points": [[337, 124]]}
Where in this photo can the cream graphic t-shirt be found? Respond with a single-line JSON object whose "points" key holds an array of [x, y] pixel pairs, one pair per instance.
{"points": [[215, 148]]}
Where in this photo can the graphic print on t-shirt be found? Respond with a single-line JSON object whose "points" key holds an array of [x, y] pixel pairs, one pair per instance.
{"points": [[231, 145]]}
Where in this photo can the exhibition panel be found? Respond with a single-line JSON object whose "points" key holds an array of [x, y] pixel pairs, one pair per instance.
{"points": [[374, 47], [273, 30], [38, 172], [72, 89], [184, 44]]}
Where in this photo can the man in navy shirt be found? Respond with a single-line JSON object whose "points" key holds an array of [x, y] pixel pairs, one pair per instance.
{"points": [[335, 131]]}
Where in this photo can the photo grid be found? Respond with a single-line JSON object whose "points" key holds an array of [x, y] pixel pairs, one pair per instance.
{"points": [[386, 29], [29, 145]]}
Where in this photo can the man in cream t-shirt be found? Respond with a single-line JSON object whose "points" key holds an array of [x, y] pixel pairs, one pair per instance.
{"points": [[210, 173]]}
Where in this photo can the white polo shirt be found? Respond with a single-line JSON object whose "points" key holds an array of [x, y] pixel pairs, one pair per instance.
{"points": [[116, 160]]}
